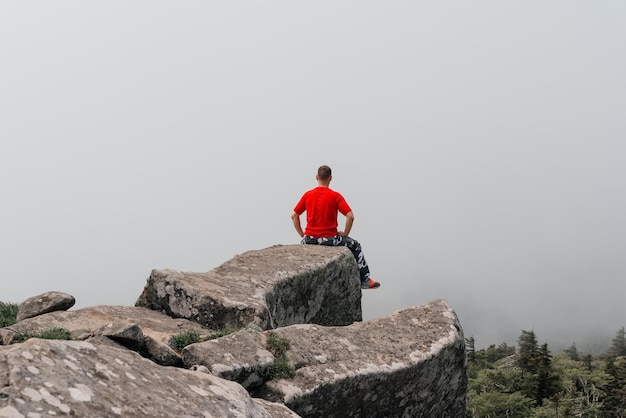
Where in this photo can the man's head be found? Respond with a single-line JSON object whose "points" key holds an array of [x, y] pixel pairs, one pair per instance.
{"points": [[324, 174]]}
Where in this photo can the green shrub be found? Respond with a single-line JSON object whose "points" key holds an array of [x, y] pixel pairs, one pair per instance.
{"points": [[184, 338], [48, 334], [280, 368], [278, 346], [8, 314]]}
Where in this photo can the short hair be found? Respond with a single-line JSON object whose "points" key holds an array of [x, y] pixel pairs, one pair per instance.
{"points": [[324, 172]]}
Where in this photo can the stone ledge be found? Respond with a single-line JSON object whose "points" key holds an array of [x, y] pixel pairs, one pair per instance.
{"points": [[77, 378], [140, 329], [269, 288], [411, 363]]}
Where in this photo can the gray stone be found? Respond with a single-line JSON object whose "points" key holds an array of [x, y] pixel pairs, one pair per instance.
{"points": [[102, 340], [240, 357], [200, 368], [127, 334], [46, 377], [137, 328], [269, 288], [276, 410], [44, 303], [411, 363]]}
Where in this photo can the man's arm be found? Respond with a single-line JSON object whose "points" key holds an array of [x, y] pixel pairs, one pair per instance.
{"points": [[296, 223], [349, 222]]}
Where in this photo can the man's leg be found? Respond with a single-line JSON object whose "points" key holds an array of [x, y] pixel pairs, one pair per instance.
{"points": [[354, 247]]}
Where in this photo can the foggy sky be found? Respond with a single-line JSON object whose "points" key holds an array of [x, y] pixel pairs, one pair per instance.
{"points": [[481, 146]]}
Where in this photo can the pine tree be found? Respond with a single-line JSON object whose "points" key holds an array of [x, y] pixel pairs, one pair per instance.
{"points": [[618, 345], [528, 356], [469, 349], [548, 382], [528, 362], [539, 379], [615, 401]]}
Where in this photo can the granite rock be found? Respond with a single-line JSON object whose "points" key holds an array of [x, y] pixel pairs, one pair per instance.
{"points": [[269, 288]]}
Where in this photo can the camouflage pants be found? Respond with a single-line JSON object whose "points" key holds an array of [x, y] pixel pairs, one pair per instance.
{"points": [[352, 244]]}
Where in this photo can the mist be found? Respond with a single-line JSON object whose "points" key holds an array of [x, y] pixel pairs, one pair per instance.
{"points": [[481, 148]]}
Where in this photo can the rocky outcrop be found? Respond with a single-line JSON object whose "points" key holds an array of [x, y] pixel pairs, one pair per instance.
{"points": [[44, 303], [242, 357], [308, 298], [270, 288], [76, 378], [409, 364], [139, 329]]}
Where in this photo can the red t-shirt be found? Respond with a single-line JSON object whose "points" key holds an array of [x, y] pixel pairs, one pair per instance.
{"points": [[321, 205]]}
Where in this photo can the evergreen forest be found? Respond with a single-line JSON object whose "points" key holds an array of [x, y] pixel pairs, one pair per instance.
{"points": [[528, 381]]}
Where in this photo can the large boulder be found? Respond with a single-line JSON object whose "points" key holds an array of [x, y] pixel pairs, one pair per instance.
{"points": [[241, 357], [140, 329], [44, 303], [77, 378], [411, 363], [268, 288]]}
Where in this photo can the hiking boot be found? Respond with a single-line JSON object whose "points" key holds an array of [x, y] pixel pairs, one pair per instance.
{"points": [[370, 284]]}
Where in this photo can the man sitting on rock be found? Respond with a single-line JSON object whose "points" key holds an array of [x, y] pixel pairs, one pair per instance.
{"points": [[322, 206]]}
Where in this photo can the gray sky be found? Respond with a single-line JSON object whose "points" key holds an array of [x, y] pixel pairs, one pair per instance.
{"points": [[481, 146]]}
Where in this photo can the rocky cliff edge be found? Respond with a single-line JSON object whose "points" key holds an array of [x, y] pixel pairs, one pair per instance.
{"points": [[410, 364]]}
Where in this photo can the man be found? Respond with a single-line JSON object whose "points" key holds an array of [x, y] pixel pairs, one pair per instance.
{"points": [[322, 205]]}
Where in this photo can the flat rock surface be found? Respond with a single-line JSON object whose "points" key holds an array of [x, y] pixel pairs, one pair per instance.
{"points": [[154, 333], [268, 288], [411, 363], [50, 377], [393, 366], [240, 357]]}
